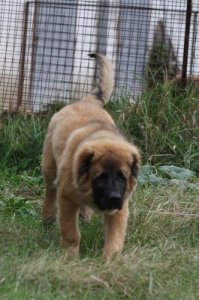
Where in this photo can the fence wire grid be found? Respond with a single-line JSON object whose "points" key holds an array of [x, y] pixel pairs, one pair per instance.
{"points": [[44, 47]]}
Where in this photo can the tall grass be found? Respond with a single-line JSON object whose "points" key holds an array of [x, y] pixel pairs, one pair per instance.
{"points": [[165, 125], [21, 141]]}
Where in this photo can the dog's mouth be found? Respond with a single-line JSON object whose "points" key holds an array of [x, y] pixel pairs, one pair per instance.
{"points": [[110, 212], [110, 204]]}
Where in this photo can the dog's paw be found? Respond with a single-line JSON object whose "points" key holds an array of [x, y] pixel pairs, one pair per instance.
{"points": [[86, 214], [48, 219], [70, 251], [111, 251]]}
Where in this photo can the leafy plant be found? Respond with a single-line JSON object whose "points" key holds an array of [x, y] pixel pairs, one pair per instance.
{"points": [[168, 175], [18, 206]]}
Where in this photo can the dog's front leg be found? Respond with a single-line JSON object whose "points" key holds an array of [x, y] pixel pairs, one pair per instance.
{"points": [[70, 235], [115, 232]]}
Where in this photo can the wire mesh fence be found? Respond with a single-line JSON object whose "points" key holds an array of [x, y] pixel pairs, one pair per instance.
{"points": [[44, 47]]}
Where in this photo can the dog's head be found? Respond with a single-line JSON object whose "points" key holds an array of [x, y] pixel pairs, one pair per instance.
{"points": [[107, 171]]}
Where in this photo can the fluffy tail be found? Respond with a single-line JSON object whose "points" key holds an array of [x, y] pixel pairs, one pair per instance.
{"points": [[105, 84]]}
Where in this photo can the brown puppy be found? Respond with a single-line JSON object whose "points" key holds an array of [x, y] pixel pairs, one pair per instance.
{"points": [[87, 163]]}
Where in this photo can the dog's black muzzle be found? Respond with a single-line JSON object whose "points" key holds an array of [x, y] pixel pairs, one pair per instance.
{"points": [[108, 193]]}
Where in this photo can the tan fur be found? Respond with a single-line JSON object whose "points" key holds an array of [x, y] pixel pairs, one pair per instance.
{"points": [[75, 132], [106, 78]]}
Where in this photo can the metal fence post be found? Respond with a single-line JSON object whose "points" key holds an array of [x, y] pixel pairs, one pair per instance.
{"points": [[186, 42]]}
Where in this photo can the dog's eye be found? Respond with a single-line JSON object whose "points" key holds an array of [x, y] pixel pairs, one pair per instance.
{"points": [[102, 176], [101, 179], [120, 176]]}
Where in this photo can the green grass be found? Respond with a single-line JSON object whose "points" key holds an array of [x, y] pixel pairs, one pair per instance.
{"points": [[161, 254], [165, 124], [160, 259]]}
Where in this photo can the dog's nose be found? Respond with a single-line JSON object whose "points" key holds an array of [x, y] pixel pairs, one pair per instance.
{"points": [[115, 196], [115, 200]]}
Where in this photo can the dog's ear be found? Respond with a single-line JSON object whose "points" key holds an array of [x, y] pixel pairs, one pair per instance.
{"points": [[85, 162], [135, 165]]}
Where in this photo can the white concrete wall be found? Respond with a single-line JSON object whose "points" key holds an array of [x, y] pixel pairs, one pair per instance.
{"points": [[86, 39], [54, 52], [10, 46], [11, 35], [66, 60]]}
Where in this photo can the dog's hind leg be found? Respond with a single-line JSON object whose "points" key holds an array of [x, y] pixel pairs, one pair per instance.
{"points": [[69, 215], [49, 172], [49, 210]]}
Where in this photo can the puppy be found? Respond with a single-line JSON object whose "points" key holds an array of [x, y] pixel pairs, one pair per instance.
{"points": [[88, 164]]}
